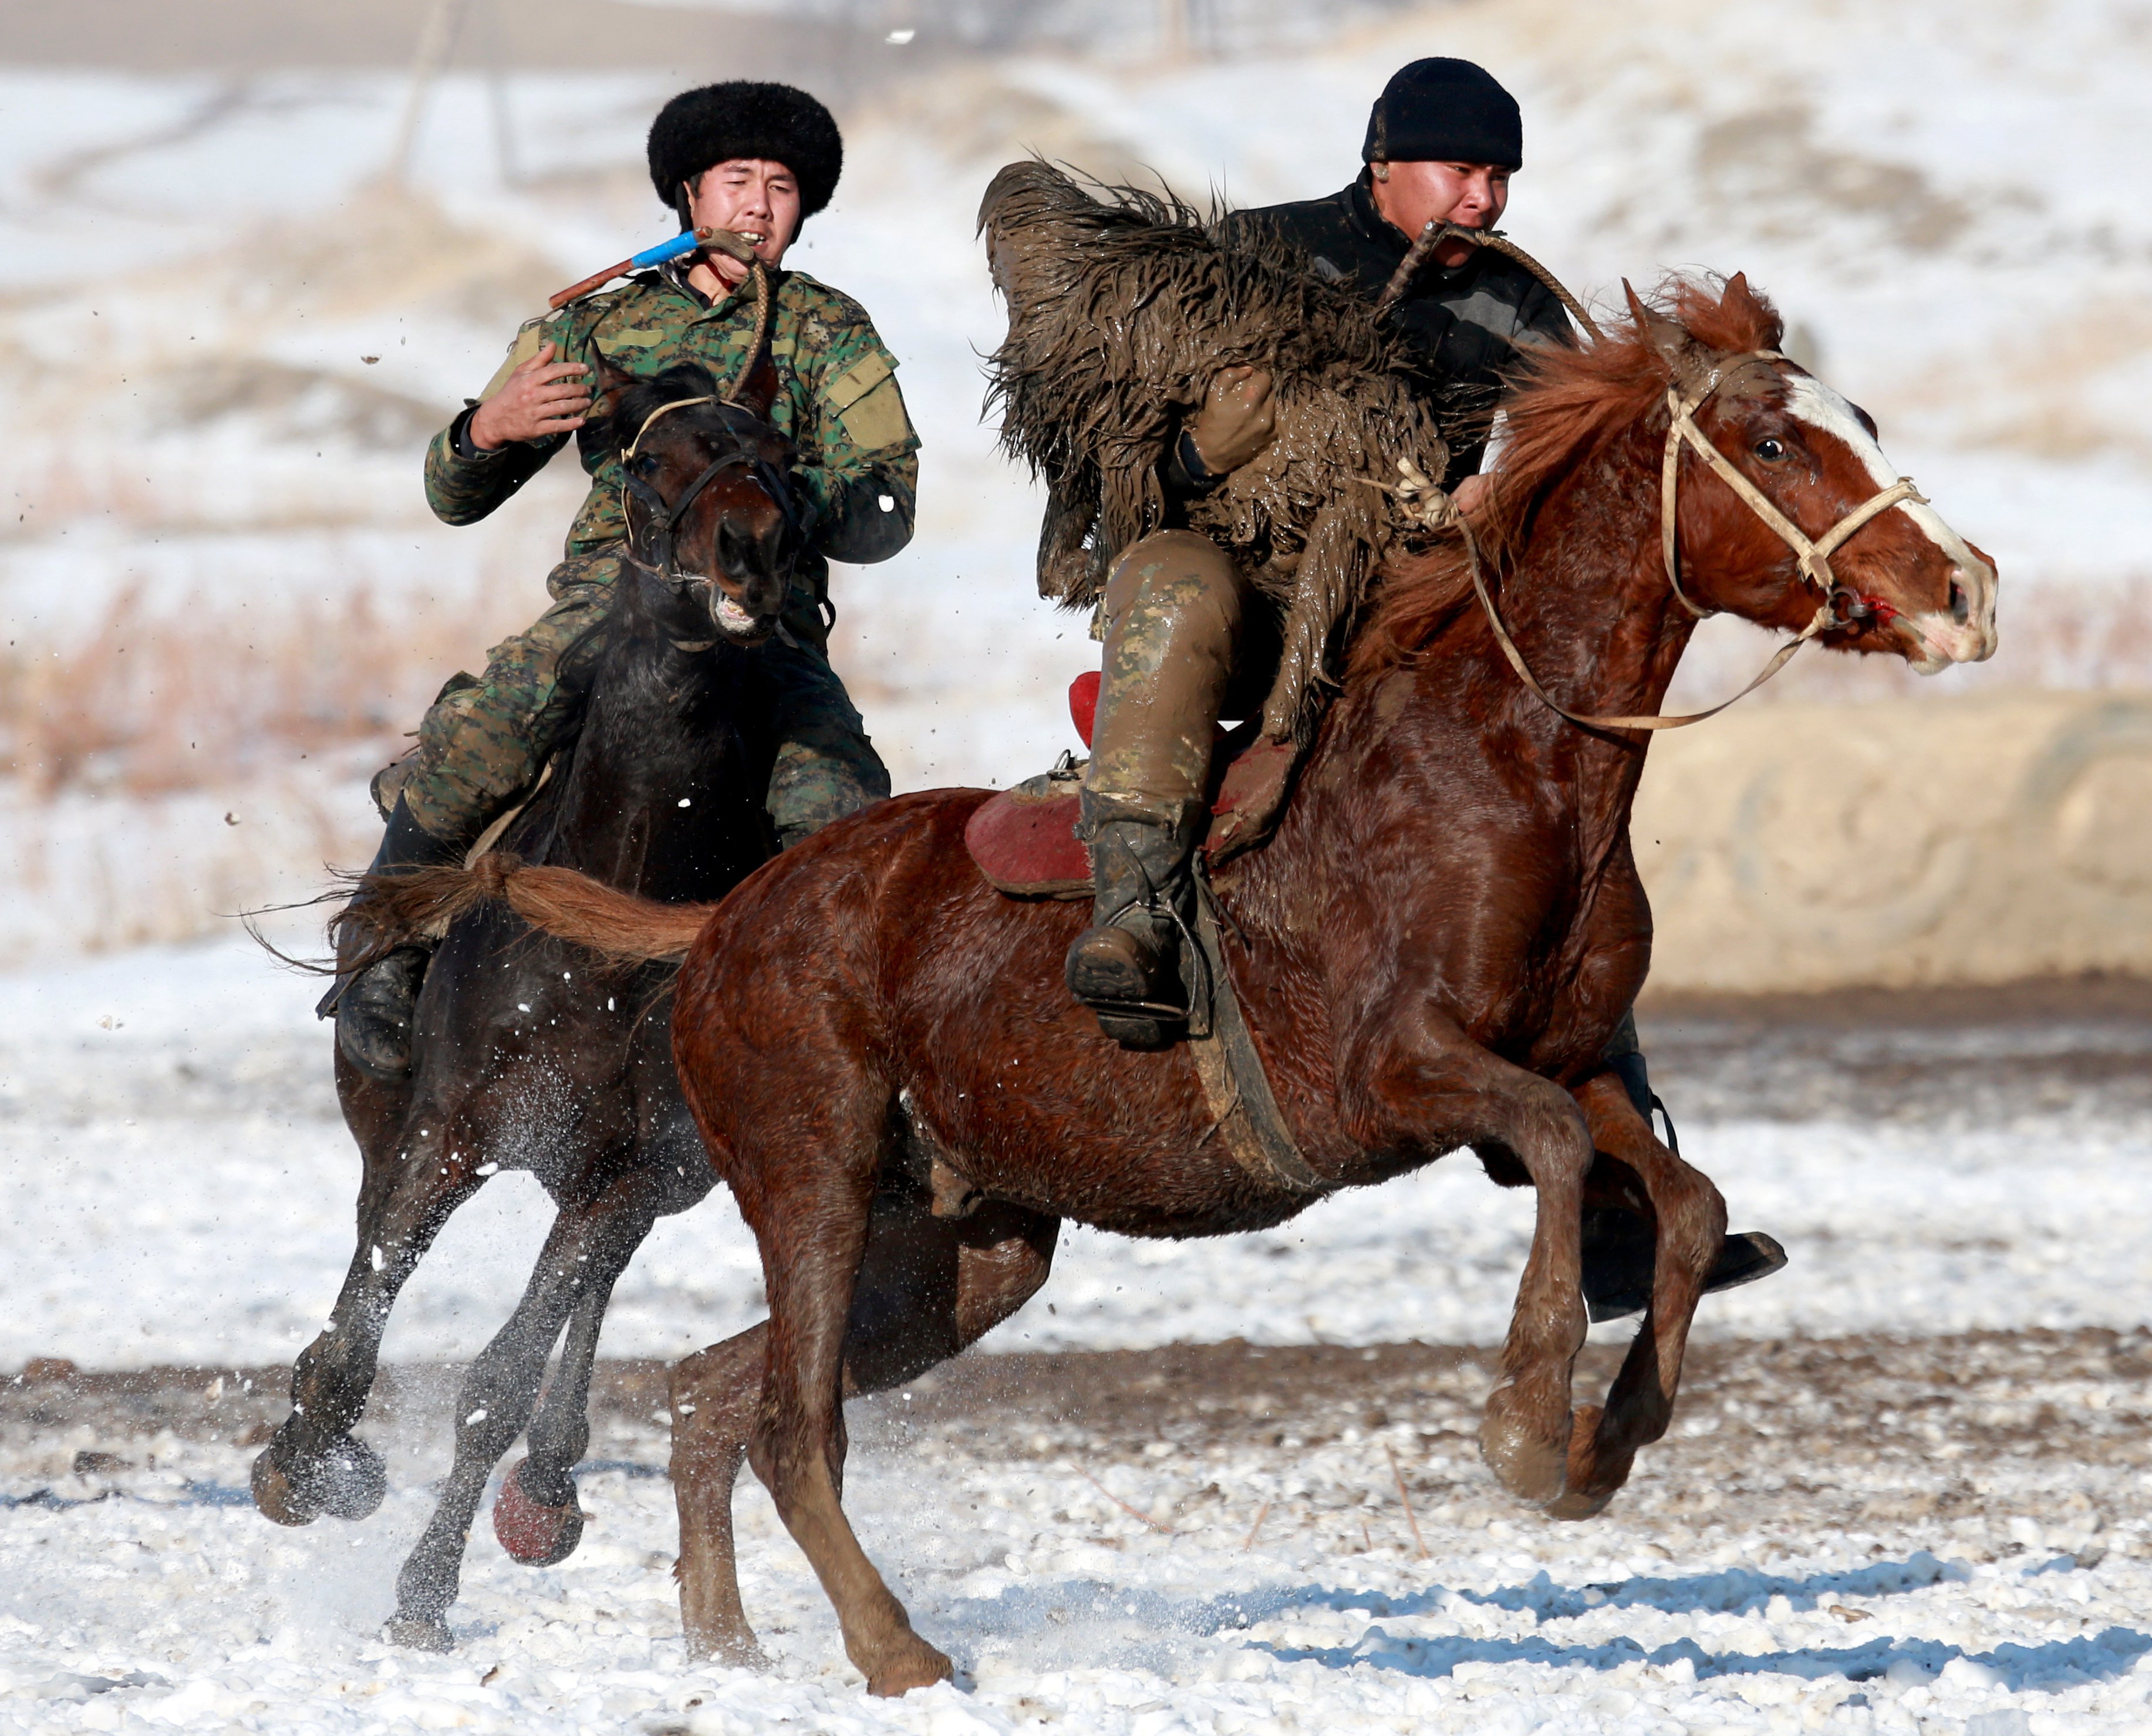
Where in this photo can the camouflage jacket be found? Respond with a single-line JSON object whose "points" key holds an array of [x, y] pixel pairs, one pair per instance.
{"points": [[837, 401]]}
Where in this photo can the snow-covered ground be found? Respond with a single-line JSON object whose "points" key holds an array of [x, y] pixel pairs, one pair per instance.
{"points": [[170, 1604], [180, 1190]]}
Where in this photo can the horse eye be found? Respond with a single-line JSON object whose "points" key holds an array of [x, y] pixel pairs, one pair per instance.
{"points": [[1770, 451]]}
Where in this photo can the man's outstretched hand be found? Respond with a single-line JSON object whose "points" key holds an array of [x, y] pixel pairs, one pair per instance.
{"points": [[542, 397], [1237, 419]]}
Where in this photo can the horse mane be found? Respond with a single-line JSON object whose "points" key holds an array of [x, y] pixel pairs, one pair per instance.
{"points": [[630, 406], [1566, 405]]}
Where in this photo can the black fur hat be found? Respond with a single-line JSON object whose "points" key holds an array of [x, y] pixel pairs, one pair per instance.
{"points": [[746, 118]]}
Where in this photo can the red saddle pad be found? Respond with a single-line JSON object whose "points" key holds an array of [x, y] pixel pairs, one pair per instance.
{"points": [[1024, 840]]}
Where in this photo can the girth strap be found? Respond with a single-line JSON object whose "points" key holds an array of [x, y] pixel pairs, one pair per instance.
{"points": [[1246, 1113]]}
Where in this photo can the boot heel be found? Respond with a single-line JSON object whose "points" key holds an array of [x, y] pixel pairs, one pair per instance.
{"points": [[1138, 1030]]}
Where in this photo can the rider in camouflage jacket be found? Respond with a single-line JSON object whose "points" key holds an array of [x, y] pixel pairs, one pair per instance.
{"points": [[486, 739]]}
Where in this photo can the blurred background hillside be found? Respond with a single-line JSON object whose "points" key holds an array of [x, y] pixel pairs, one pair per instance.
{"points": [[253, 255]]}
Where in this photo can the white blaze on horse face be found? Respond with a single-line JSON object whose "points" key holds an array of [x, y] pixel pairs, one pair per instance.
{"points": [[1964, 633]]}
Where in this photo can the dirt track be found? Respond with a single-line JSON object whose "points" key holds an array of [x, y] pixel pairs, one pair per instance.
{"points": [[1964, 1434]]}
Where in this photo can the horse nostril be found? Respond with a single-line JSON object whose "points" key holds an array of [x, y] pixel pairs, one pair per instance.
{"points": [[1961, 602]]}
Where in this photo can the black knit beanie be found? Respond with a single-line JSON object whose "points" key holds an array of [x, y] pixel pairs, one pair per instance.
{"points": [[1445, 111], [744, 118]]}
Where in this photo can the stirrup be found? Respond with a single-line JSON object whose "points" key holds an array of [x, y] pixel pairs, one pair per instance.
{"points": [[1139, 1024]]}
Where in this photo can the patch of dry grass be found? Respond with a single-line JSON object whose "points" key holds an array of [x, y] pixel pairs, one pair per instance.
{"points": [[148, 707]]}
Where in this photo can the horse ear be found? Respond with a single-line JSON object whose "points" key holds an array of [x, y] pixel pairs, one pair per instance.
{"points": [[1668, 337], [758, 392], [1688, 361], [1754, 312], [609, 383]]}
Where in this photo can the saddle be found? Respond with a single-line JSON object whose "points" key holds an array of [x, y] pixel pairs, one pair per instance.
{"points": [[1023, 839]]}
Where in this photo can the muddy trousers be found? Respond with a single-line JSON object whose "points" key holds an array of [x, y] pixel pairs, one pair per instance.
{"points": [[1188, 641], [486, 737]]}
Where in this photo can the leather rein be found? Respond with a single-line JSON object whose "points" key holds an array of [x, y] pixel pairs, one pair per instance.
{"points": [[1435, 509], [657, 534]]}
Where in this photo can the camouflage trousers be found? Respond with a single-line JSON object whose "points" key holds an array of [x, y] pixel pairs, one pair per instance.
{"points": [[485, 739]]}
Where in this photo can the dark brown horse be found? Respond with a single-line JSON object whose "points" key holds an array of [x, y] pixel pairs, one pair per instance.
{"points": [[525, 1058], [1431, 952]]}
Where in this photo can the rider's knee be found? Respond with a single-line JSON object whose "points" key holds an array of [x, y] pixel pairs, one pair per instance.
{"points": [[1183, 574]]}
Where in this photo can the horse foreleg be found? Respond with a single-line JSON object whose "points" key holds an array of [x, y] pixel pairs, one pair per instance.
{"points": [[313, 1465], [1422, 1081], [536, 1515], [1691, 1219], [927, 1289], [585, 1253]]}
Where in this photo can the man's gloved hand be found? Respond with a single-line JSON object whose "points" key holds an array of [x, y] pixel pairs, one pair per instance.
{"points": [[1237, 421]]}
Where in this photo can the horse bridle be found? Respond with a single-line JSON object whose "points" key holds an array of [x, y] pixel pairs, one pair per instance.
{"points": [[665, 517], [1814, 557], [1436, 510]]}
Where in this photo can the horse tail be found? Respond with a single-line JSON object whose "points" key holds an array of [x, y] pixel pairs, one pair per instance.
{"points": [[556, 901]]}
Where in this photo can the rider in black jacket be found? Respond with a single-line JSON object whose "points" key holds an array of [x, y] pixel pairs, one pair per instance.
{"points": [[1183, 631]]}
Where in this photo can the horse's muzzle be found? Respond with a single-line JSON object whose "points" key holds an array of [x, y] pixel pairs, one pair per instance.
{"points": [[738, 625]]}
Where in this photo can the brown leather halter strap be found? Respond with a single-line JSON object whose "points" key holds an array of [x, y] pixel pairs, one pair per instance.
{"points": [[1436, 510]]}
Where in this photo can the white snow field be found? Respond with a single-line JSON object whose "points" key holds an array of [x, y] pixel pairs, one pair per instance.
{"points": [[165, 1602], [179, 1192]]}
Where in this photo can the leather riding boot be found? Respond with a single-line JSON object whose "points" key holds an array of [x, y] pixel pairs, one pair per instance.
{"points": [[1126, 966], [1174, 602], [1620, 1249], [373, 1005]]}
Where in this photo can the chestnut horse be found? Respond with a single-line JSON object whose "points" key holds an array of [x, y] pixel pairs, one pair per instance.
{"points": [[1431, 953]]}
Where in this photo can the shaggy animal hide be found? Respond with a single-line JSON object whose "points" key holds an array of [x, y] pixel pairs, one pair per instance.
{"points": [[1122, 306]]}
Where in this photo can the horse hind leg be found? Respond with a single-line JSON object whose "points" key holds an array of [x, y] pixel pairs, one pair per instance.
{"points": [[1691, 1219], [713, 1396], [928, 1287]]}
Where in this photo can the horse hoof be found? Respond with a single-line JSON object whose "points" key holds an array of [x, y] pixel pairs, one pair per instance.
{"points": [[1577, 1504], [350, 1480], [275, 1497], [739, 1651], [1530, 1466], [910, 1663], [533, 1534], [1589, 1486], [420, 1633]]}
